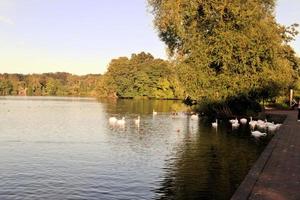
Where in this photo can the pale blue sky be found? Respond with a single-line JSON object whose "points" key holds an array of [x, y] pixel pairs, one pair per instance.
{"points": [[82, 36]]}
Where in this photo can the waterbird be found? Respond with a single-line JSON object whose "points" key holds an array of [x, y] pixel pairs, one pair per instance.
{"points": [[194, 117], [154, 112], [121, 122], [269, 124], [257, 134], [278, 125], [112, 121], [252, 123], [233, 120], [243, 120], [137, 121], [261, 124], [273, 127], [215, 124], [260, 121], [235, 125]]}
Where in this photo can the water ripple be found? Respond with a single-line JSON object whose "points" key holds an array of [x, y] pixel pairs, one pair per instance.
{"points": [[65, 149]]}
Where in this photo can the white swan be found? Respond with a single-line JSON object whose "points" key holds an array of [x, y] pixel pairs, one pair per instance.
{"points": [[243, 120], [112, 121], [137, 121], [269, 124], [194, 117], [252, 123], [234, 121], [260, 121], [278, 125], [215, 124], [261, 125], [154, 112], [272, 128], [121, 122], [258, 134], [235, 125]]}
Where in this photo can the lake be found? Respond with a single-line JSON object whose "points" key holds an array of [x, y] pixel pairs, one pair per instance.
{"points": [[64, 148]]}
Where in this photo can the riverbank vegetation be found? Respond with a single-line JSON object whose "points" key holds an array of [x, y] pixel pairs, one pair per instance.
{"points": [[230, 55], [140, 76], [48, 84]]}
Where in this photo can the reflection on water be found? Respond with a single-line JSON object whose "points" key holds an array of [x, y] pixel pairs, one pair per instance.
{"points": [[128, 106], [61, 148]]}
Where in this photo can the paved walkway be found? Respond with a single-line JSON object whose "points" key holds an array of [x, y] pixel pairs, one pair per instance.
{"points": [[276, 173]]}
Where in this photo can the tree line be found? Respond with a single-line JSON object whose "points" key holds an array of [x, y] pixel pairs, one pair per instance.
{"points": [[49, 84], [140, 76]]}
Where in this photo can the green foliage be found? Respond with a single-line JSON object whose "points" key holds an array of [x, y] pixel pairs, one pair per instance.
{"points": [[140, 76], [227, 49], [231, 107], [49, 84], [6, 87]]}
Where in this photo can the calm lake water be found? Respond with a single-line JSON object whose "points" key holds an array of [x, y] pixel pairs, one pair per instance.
{"points": [[64, 148]]}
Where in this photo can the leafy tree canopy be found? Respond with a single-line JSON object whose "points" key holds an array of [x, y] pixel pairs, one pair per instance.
{"points": [[140, 76], [226, 48]]}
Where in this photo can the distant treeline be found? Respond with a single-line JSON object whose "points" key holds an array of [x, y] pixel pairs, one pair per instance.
{"points": [[48, 84], [141, 76]]}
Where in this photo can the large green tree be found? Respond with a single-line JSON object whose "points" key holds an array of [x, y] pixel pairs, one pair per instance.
{"points": [[227, 48], [140, 76]]}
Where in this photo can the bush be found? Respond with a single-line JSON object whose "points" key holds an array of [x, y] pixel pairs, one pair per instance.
{"points": [[234, 106]]}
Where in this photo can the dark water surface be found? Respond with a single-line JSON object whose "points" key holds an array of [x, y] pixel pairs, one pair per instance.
{"points": [[64, 148]]}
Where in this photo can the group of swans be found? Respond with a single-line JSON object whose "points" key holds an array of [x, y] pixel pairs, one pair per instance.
{"points": [[235, 123], [264, 125], [182, 115], [114, 122], [120, 123], [259, 124]]}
